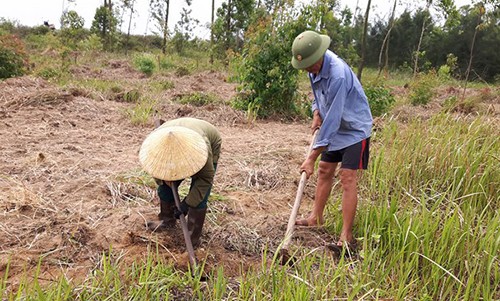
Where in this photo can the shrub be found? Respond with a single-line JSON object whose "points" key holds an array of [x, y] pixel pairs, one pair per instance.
{"points": [[145, 64], [13, 58], [7, 26], [380, 99], [162, 85], [444, 72], [422, 89], [48, 73], [182, 71], [91, 43], [131, 96], [116, 88], [267, 79], [196, 99], [166, 64]]}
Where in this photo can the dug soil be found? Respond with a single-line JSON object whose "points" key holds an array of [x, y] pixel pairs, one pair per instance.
{"points": [[72, 189]]}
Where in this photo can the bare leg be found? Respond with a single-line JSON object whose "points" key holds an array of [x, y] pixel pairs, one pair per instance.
{"points": [[326, 172], [348, 178]]}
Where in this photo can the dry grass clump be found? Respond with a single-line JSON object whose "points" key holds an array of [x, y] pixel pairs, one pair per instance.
{"points": [[29, 91], [238, 237], [129, 192], [44, 97], [25, 215], [216, 114], [262, 177]]}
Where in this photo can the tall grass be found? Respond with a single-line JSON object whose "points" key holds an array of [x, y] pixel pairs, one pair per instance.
{"points": [[428, 225]]}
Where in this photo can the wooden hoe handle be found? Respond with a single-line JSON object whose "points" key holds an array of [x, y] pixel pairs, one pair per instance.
{"points": [[298, 198]]}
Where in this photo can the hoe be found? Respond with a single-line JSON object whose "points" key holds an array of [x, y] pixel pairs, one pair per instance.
{"points": [[283, 252]]}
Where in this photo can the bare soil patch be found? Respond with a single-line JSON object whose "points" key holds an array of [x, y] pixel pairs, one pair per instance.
{"points": [[69, 168], [64, 195]]}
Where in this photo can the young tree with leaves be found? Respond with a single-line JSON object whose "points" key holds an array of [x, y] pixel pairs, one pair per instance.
{"points": [[160, 13], [105, 25], [233, 19], [72, 30], [184, 28]]}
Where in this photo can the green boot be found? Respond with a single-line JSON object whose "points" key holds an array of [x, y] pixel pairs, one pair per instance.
{"points": [[166, 218], [195, 221]]}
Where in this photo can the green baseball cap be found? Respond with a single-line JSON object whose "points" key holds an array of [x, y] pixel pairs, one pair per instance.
{"points": [[307, 48]]}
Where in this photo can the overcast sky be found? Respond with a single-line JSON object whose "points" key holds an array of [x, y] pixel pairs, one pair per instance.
{"points": [[34, 12]]}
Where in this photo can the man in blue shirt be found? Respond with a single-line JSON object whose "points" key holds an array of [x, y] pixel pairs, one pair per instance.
{"points": [[342, 115]]}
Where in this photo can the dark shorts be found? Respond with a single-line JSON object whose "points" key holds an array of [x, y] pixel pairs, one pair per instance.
{"points": [[352, 157]]}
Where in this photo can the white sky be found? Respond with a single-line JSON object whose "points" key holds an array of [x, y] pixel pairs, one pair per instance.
{"points": [[34, 12]]}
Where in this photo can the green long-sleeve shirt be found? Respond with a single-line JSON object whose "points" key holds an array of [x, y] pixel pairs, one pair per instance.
{"points": [[201, 181]]}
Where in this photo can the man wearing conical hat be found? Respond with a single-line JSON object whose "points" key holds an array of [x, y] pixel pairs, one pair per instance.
{"points": [[342, 115], [178, 149]]}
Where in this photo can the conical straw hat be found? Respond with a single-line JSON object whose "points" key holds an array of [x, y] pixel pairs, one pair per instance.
{"points": [[173, 153]]}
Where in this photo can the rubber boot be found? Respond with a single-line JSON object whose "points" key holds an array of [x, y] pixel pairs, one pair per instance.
{"points": [[166, 218], [195, 221]]}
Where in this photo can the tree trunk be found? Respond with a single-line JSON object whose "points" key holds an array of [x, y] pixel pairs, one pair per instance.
{"points": [[417, 53], [228, 23], [130, 22], [469, 65], [212, 34], [363, 41], [385, 43], [165, 28]]}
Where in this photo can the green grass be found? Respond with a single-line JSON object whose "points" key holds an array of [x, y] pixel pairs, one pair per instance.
{"points": [[142, 111]]}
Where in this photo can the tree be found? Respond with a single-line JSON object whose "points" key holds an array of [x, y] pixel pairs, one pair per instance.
{"points": [[268, 82], [105, 25], [404, 38], [184, 28], [130, 5], [65, 9], [212, 33], [424, 22], [233, 19], [385, 44], [363, 41], [160, 11], [480, 13], [72, 30]]}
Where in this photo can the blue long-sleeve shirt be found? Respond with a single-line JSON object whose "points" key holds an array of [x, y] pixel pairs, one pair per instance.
{"points": [[342, 105]]}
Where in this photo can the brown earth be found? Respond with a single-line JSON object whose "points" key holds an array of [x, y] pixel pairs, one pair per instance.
{"points": [[70, 180], [70, 188]]}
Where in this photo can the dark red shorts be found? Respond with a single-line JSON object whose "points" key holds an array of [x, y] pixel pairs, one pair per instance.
{"points": [[352, 157]]}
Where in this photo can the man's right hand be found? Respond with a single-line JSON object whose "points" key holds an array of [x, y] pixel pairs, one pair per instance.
{"points": [[307, 167], [316, 123]]}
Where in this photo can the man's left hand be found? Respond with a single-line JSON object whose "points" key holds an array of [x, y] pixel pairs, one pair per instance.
{"points": [[184, 207]]}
